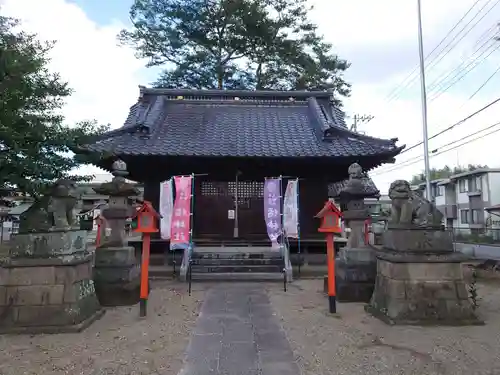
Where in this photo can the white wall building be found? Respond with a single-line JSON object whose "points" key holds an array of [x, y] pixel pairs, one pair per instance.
{"points": [[468, 200]]}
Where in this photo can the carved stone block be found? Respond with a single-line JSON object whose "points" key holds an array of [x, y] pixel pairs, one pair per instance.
{"points": [[52, 297], [417, 240], [117, 276], [355, 273], [421, 290]]}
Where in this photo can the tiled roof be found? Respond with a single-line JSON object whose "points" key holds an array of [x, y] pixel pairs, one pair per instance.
{"points": [[238, 123]]}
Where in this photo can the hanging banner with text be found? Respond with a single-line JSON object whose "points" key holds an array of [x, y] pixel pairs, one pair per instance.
{"points": [[272, 209], [291, 210], [166, 208], [181, 217]]}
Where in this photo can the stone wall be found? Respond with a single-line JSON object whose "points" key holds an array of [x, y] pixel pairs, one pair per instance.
{"points": [[46, 297]]}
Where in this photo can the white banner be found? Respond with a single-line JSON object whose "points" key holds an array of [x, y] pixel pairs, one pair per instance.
{"points": [[291, 209], [166, 208]]}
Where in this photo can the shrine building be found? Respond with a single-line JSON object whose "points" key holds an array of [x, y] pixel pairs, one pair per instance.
{"points": [[232, 141]]}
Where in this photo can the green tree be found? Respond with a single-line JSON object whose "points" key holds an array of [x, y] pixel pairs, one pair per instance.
{"points": [[35, 145], [235, 44], [445, 172]]}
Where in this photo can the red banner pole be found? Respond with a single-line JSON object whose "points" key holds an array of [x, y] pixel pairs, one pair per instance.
{"points": [[330, 251], [146, 243]]}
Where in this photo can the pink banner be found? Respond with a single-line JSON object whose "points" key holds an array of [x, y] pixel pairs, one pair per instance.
{"points": [[181, 216]]}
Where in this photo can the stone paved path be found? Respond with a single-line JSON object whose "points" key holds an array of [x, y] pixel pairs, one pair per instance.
{"points": [[237, 334]]}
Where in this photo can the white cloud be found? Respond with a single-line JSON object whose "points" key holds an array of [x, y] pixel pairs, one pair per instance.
{"points": [[104, 76], [378, 37], [386, 31]]}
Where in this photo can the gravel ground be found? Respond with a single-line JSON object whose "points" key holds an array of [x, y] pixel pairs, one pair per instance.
{"points": [[356, 343], [118, 343]]}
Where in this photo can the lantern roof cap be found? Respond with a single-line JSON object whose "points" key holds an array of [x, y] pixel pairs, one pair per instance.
{"points": [[146, 206], [329, 207]]}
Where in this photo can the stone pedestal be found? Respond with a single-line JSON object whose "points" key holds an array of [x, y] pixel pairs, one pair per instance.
{"points": [[355, 273], [418, 285], [46, 284], [117, 276]]}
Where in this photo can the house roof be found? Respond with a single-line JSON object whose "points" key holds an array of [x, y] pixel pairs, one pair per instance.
{"points": [[474, 172], [19, 209], [238, 123]]}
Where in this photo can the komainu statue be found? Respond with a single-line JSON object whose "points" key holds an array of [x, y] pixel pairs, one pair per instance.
{"points": [[53, 211], [410, 208]]}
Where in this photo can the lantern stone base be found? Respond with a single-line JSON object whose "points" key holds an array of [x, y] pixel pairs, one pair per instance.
{"points": [[355, 273], [47, 295], [117, 276], [421, 289]]}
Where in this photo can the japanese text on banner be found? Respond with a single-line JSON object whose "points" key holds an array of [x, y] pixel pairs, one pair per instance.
{"points": [[272, 209], [291, 210], [181, 216]]}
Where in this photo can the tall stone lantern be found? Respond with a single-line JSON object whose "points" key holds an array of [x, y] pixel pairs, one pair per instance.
{"points": [[356, 264], [116, 270]]}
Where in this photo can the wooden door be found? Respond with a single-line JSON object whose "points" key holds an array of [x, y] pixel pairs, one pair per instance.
{"points": [[212, 202], [251, 224]]}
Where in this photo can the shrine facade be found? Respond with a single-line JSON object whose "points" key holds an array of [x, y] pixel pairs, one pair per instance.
{"points": [[231, 141]]}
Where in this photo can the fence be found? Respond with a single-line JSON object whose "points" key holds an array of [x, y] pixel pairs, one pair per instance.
{"points": [[477, 235]]}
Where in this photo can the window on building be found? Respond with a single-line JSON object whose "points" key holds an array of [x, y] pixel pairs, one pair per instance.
{"points": [[479, 184], [475, 217], [464, 216], [439, 191], [462, 186], [472, 184]]}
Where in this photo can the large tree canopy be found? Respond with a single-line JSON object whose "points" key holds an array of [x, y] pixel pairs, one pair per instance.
{"points": [[445, 172], [235, 44], [35, 145]]}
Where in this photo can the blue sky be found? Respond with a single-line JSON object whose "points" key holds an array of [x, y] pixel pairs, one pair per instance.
{"points": [[104, 12]]}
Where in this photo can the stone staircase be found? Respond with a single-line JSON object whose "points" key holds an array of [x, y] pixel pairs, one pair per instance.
{"points": [[237, 264]]}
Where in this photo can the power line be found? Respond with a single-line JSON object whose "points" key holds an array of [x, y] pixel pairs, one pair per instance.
{"points": [[412, 78], [484, 83], [455, 124], [467, 32], [435, 153], [487, 38], [463, 75]]}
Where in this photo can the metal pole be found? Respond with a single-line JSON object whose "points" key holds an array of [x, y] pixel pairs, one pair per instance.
{"points": [[424, 103], [236, 223]]}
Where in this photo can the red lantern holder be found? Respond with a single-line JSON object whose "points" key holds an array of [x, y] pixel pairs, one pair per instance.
{"points": [[147, 223], [331, 218]]}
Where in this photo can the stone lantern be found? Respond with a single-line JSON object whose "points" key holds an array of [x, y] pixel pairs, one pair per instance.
{"points": [[116, 270], [356, 264]]}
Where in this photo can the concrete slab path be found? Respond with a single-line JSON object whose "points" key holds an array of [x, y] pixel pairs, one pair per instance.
{"points": [[237, 334]]}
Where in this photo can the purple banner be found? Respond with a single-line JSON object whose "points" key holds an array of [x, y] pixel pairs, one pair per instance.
{"points": [[272, 209]]}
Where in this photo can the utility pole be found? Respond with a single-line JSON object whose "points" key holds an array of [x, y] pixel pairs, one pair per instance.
{"points": [[424, 104], [358, 119]]}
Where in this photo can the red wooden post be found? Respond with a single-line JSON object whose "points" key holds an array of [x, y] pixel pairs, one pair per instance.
{"points": [[330, 225], [99, 221], [147, 223], [330, 253]]}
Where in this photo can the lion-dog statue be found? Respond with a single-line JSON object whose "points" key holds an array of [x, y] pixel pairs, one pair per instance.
{"points": [[410, 208], [53, 211]]}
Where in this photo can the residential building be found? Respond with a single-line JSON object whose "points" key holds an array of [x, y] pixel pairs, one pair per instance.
{"points": [[467, 199]]}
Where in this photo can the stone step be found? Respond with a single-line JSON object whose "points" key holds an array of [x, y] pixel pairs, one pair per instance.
{"points": [[235, 269], [236, 262], [233, 255], [235, 249], [238, 276]]}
